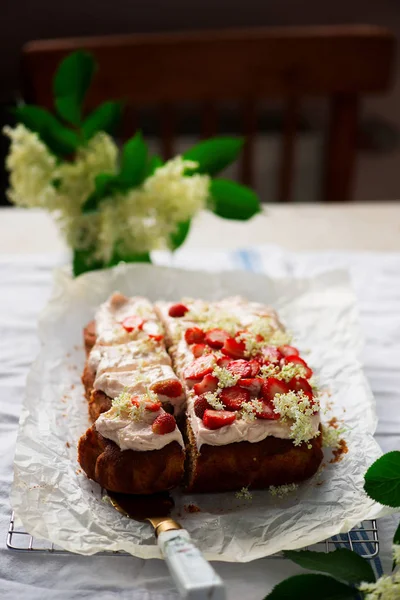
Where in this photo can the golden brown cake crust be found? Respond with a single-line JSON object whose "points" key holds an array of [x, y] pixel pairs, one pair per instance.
{"points": [[89, 336], [258, 465], [129, 471], [98, 404]]}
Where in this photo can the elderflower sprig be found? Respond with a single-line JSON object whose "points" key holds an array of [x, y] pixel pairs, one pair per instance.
{"points": [[244, 494], [214, 401], [281, 491], [386, 588], [225, 377], [297, 409]]}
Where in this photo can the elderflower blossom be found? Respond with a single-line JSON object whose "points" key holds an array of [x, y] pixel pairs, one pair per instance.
{"points": [[225, 377], [281, 491], [249, 409], [286, 373], [213, 318], [244, 494], [386, 588], [214, 401], [297, 408], [331, 436], [396, 554]]}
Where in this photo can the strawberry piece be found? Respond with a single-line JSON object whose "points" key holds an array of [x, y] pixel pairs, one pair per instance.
{"points": [[215, 419], [172, 388], [200, 367], [216, 338], [233, 348], [233, 397], [151, 406], [194, 335], [200, 406], [300, 384], [132, 323], [270, 354], [164, 423], [156, 338], [209, 383], [199, 349], [240, 367], [251, 384], [223, 361], [177, 310], [267, 412], [255, 367], [293, 358], [273, 386], [288, 350]]}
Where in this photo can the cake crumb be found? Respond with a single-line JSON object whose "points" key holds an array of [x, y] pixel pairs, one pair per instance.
{"points": [[333, 423], [192, 508], [68, 445], [244, 494], [73, 386], [339, 452]]}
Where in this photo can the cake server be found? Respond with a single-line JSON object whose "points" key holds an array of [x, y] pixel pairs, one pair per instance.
{"points": [[194, 577]]}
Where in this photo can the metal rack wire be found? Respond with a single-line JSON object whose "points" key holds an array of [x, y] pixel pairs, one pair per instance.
{"points": [[362, 539]]}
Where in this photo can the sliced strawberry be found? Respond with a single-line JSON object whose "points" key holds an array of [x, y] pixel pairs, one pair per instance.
{"points": [[270, 354], [200, 406], [164, 423], [233, 397], [132, 323], [199, 349], [255, 367], [233, 348], [300, 384], [293, 358], [215, 419], [267, 412], [156, 338], [172, 388], [223, 361], [240, 367], [252, 385], [273, 386], [216, 338], [149, 405], [288, 350], [177, 310], [194, 335], [200, 367], [209, 383]]}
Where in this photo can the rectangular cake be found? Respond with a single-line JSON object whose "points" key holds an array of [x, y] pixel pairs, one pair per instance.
{"points": [[240, 392]]}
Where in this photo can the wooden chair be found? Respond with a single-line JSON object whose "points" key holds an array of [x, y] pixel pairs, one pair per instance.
{"points": [[341, 63]]}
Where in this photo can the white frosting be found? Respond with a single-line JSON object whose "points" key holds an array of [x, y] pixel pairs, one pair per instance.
{"points": [[132, 435], [122, 357]]}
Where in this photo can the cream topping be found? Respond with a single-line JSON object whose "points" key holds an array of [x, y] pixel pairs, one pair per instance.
{"points": [[130, 356]]}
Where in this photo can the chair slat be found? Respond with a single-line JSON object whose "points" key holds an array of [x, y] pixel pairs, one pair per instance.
{"points": [[249, 127], [208, 119], [167, 130], [287, 157]]}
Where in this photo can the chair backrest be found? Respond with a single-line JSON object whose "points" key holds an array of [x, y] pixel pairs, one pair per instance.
{"points": [[341, 63]]}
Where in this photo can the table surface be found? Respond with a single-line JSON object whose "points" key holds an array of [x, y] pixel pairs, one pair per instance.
{"points": [[29, 249], [293, 226]]}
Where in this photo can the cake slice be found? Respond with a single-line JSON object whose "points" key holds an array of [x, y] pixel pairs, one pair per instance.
{"points": [[252, 414]]}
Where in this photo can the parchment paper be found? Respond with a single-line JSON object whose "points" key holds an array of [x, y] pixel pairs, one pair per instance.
{"points": [[54, 499]]}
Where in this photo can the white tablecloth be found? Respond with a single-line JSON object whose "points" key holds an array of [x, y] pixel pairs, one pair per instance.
{"points": [[25, 283]]}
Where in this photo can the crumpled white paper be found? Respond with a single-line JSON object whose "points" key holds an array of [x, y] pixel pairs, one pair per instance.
{"points": [[54, 499]]}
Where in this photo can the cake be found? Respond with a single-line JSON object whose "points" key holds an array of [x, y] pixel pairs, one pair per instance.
{"points": [[241, 395]]}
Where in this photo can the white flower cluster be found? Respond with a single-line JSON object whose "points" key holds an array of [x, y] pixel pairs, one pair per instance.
{"points": [[286, 372], [386, 588], [249, 409], [225, 377], [297, 408], [331, 436], [244, 494], [280, 491], [135, 222], [214, 401]]}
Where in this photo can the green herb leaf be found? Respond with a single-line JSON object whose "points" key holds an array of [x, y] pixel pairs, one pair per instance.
{"points": [[71, 82], [133, 162], [382, 480], [105, 185], [215, 154], [179, 236], [83, 261], [312, 587], [231, 200], [119, 256], [105, 118], [152, 165], [60, 140], [343, 564]]}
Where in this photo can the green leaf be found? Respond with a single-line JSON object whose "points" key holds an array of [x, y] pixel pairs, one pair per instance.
{"points": [[382, 480], [152, 165], [105, 185], [312, 587], [231, 200], [105, 118], [119, 256], [133, 162], [60, 140], [83, 261], [342, 564], [71, 82], [215, 154], [179, 236]]}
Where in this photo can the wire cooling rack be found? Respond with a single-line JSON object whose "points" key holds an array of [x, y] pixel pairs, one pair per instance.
{"points": [[362, 539]]}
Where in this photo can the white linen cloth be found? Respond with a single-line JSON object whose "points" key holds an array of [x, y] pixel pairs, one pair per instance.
{"points": [[25, 284]]}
